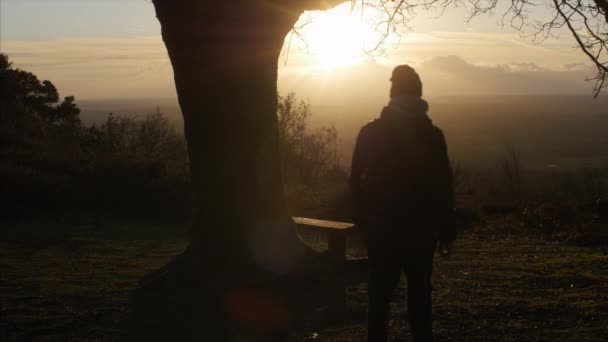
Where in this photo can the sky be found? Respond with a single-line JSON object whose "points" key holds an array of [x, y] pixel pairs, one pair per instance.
{"points": [[108, 49]]}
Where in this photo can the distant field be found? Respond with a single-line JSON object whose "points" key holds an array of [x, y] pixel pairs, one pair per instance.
{"points": [[68, 282], [566, 131]]}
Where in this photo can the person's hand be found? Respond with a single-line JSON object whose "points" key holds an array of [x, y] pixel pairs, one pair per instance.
{"points": [[445, 248]]}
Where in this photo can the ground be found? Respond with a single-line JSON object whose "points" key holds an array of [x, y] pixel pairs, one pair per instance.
{"points": [[71, 282]]}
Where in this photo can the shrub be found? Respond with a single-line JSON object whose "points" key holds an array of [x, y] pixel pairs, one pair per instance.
{"points": [[312, 173]]}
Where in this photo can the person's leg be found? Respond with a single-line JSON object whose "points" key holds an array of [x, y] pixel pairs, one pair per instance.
{"points": [[420, 306], [384, 275], [418, 269]]}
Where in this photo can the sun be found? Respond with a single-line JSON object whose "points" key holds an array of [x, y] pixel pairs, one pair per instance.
{"points": [[337, 37]]}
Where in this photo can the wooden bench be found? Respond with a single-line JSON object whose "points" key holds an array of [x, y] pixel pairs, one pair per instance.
{"points": [[351, 271], [337, 233]]}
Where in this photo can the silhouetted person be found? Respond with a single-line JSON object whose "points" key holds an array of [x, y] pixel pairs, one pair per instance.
{"points": [[401, 183]]}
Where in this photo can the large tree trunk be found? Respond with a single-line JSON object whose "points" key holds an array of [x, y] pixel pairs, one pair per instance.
{"points": [[225, 58], [224, 55]]}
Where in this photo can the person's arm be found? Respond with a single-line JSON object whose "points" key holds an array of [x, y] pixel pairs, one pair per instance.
{"points": [[447, 231], [358, 172]]}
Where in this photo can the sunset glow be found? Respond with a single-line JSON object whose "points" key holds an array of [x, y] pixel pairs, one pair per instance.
{"points": [[338, 37], [114, 50]]}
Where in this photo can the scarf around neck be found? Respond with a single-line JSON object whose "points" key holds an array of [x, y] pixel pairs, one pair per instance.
{"points": [[407, 105]]}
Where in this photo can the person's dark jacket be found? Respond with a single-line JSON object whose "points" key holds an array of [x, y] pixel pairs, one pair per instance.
{"points": [[401, 179]]}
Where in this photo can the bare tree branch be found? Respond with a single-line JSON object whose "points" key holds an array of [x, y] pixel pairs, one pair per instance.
{"points": [[586, 20], [586, 43]]}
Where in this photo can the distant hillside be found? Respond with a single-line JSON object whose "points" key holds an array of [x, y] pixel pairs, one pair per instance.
{"points": [[567, 131], [95, 111]]}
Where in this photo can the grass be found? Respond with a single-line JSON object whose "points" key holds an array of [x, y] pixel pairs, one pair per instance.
{"points": [[71, 282]]}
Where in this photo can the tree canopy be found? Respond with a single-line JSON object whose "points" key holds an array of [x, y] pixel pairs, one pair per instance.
{"points": [[23, 97]]}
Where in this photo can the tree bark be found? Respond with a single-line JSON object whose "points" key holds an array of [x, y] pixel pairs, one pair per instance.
{"points": [[225, 58]]}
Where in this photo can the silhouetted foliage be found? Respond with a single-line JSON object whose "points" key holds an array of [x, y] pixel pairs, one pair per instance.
{"points": [[50, 160], [138, 166], [134, 165], [31, 116], [313, 175]]}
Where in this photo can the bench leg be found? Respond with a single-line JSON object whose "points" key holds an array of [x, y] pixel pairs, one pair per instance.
{"points": [[336, 243], [336, 246]]}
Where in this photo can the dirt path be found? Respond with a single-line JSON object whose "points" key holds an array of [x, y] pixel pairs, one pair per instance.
{"points": [[73, 285]]}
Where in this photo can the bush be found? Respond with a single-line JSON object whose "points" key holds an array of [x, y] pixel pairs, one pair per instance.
{"points": [[137, 166], [313, 177], [129, 165]]}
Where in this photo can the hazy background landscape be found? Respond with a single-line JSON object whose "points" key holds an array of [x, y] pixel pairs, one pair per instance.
{"points": [[564, 131]]}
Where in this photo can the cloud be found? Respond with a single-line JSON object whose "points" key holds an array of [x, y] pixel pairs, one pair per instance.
{"points": [[487, 48], [93, 68], [98, 67], [456, 76], [441, 76], [523, 66], [575, 66]]}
